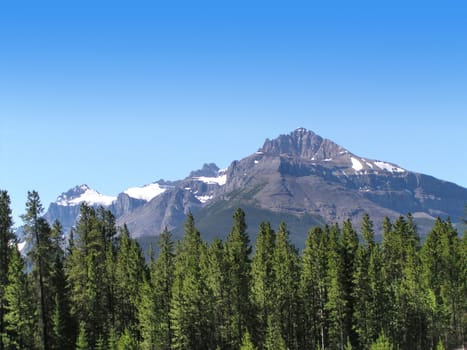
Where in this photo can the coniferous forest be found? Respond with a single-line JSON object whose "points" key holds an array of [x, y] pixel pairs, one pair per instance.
{"points": [[345, 290]]}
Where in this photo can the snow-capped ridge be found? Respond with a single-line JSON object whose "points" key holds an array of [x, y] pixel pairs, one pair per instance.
{"points": [[220, 179], [388, 167], [147, 192], [361, 164], [84, 193]]}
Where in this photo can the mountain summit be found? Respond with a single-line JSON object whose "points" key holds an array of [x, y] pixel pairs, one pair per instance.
{"points": [[300, 178], [83, 193], [302, 143]]}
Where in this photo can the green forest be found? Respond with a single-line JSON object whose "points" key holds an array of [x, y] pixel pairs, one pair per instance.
{"points": [[345, 290]]}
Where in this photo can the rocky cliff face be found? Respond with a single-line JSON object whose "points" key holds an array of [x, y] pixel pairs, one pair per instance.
{"points": [[302, 143], [165, 211], [299, 177]]}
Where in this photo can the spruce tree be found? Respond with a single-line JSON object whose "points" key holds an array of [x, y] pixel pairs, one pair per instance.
{"points": [[214, 268], [19, 317], [444, 275], [382, 343], [156, 296], [88, 277], [348, 245], [412, 310], [247, 344], [274, 339], [367, 293], [6, 239], [286, 300], [127, 341], [61, 322], [313, 289], [38, 232], [262, 290], [82, 342], [188, 318], [337, 301], [238, 250], [392, 249], [362, 297], [129, 273]]}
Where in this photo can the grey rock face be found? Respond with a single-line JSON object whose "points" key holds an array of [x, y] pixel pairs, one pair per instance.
{"points": [[302, 143], [167, 210]]}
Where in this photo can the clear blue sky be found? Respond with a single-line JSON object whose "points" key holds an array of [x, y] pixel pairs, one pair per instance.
{"points": [[119, 94]]}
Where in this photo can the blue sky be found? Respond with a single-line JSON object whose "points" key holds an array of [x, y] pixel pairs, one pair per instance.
{"points": [[120, 94]]}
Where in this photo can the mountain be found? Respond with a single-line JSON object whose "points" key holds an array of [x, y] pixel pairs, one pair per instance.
{"points": [[300, 178], [66, 208], [148, 209], [302, 174]]}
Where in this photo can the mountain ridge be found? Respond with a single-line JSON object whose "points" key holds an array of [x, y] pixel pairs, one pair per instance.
{"points": [[295, 175]]}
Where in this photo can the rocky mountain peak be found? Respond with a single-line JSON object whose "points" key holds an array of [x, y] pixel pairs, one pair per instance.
{"points": [[209, 170], [302, 143], [72, 193], [83, 193]]}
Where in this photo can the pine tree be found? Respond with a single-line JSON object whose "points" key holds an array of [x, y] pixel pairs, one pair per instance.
{"points": [[155, 298], [367, 293], [112, 341], [191, 328], [348, 246], [262, 290], [127, 341], [82, 341], [286, 300], [105, 240], [382, 343], [129, 272], [392, 250], [38, 232], [214, 268], [238, 250], [6, 239], [61, 323], [444, 275], [19, 310], [440, 346], [274, 340], [88, 276], [247, 344], [313, 289], [412, 309], [336, 302]]}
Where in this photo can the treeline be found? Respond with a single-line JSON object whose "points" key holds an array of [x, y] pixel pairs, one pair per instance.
{"points": [[98, 292]]}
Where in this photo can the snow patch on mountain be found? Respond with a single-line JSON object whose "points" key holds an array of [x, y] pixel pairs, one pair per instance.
{"points": [[356, 164], [85, 194], [204, 199], [389, 167], [146, 193], [220, 180]]}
